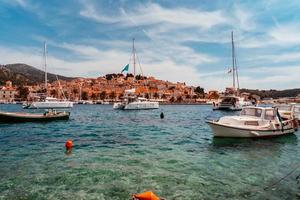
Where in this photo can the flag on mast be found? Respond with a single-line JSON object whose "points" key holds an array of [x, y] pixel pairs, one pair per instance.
{"points": [[125, 69]]}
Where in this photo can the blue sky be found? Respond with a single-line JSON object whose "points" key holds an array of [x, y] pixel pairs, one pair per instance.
{"points": [[177, 40]]}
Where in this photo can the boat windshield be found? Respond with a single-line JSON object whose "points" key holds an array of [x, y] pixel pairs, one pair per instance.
{"points": [[270, 114], [229, 100], [255, 112]]}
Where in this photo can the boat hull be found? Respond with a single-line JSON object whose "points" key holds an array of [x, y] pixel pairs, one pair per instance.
{"points": [[141, 106], [49, 105], [25, 117], [136, 106], [220, 130]]}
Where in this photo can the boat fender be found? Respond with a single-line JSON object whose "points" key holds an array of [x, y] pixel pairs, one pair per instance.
{"points": [[148, 195]]}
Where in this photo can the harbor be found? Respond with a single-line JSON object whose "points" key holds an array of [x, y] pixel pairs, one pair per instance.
{"points": [[119, 153], [149, 100]]}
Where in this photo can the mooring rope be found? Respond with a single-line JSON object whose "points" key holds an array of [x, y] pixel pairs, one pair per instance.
{"points": [[284, 177]]}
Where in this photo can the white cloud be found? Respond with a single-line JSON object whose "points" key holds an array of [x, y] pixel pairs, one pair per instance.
{"points": [[151, 14]]}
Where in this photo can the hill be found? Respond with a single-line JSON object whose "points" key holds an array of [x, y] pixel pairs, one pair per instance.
{"points": [[274, 93], [22, 74]]}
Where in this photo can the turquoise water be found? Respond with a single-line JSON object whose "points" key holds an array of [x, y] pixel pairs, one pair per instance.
{"points": [[118, 153]]}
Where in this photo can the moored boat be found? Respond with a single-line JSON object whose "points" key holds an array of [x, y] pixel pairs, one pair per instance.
{"points": [[253, 122], [13, 117], [232, 101], [47, 102], [131, 101]]}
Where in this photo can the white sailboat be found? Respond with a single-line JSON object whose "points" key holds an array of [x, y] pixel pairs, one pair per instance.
{"points": [[232, 102], [253, 122], [48, 102], [131, 101]]}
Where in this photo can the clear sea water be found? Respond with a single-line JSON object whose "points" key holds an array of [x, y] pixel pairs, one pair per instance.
{"points": [[118, 153]]}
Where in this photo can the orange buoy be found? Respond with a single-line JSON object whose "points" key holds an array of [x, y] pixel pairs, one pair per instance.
{"points": [[69, 144], [149, 195]]}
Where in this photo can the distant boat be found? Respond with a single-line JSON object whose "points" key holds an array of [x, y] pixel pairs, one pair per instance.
{"points": [[48, 102], [232, 102], [288, 111], [131, 101], [253, 122], [13, 117]]}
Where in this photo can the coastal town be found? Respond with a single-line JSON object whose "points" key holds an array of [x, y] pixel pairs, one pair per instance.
{"points": [[110, 88]]}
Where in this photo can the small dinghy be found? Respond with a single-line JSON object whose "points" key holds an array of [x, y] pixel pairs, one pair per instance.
{"points": [[253, 122], [13, 117]]}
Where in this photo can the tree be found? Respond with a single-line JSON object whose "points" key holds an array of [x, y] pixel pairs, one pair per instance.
{"points": [[102, 95], [179, 99], [163, 96], [147, 96], [112, 95], [199, 90], [155, 95], [75, 91], [172, 99], [93, 96], [84, 95], [23, 92], [53, 92]]}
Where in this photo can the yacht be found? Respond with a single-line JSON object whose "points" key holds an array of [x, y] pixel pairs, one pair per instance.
{"points": [[48, 102], [131, 101], [232, 102], [253, 122]]}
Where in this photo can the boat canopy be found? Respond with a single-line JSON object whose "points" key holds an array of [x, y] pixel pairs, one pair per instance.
{"points": [[251, 111], [259, 112]]}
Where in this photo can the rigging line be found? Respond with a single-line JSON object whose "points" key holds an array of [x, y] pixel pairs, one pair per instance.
{"points": [[282, 178], [61, 90], [139, 64], [59, 85], [237, 74]]}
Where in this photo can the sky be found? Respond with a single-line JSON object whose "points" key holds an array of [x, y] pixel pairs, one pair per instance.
{"points": [[177, 40]]}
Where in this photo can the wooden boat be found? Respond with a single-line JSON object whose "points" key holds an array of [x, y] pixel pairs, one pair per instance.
{"points": [[253, 122], [13, 117]]}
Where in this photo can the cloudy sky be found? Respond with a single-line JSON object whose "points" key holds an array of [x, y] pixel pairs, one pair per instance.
{"points": [[177, 40]]}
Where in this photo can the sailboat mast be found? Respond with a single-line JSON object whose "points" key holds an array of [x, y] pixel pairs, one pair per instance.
{"points": [[233, 61], [133, 53], [45, 64]]}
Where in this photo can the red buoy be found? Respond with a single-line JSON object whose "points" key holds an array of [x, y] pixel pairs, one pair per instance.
{"points": [[69, 144]]}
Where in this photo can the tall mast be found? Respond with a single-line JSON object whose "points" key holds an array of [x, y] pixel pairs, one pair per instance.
{"points": [[133, 53], [45, 63], [233, 61]]}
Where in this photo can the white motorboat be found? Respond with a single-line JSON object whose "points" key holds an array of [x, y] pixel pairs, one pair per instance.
{"points": [[289, 111], [253, 122], [296, 110], [48, 102], [232, 102], [130, 100]]}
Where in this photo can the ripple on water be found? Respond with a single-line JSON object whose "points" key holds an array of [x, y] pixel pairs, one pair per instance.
{"points": [[118, 153]]}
